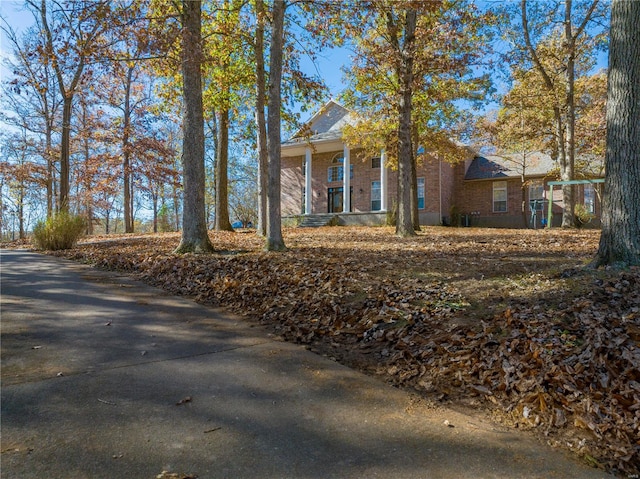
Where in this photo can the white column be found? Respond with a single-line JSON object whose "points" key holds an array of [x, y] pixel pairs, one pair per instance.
{"points": [[346, 180], [383, 181], [308, 193]]}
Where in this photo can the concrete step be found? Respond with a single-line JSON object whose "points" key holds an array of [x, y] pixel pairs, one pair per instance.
{"points": [[316, 221]]}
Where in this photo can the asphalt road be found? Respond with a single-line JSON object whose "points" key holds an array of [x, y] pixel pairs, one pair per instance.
{"points": [[104, 377]]}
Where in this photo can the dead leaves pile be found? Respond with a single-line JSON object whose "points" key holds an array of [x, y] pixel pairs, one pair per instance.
{"points": [[552, 347]]}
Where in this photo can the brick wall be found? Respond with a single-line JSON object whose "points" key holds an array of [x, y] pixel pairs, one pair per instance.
{"points": [[292, 183], [442, 181]]}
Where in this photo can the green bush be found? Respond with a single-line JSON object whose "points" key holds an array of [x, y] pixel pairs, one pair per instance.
{"points": [[61, 231], [582, 215]]}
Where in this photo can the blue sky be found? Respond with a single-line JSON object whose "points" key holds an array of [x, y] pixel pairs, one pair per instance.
{"points": [[19, 19], [328, 65]]}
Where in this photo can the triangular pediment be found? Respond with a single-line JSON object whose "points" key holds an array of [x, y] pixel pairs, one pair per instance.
{"points": [[328, 122]]}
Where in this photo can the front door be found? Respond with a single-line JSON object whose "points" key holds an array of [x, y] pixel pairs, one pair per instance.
{"points": [[336, 200]]}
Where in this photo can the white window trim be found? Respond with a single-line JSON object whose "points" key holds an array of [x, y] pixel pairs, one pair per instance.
{"points": [[379, 198], [495, 189]]}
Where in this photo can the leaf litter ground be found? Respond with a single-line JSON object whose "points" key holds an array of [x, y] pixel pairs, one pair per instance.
{"points": [[506, 321]]}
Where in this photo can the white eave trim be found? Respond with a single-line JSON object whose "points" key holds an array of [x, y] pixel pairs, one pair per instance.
{"points": [[318, 146]]}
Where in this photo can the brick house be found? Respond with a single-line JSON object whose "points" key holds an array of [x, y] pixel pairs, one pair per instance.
{"points": [[489, 191], [316, 162], [479, 191]]}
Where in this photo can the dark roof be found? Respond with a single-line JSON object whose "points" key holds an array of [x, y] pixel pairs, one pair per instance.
{"points": [[509, 166]]}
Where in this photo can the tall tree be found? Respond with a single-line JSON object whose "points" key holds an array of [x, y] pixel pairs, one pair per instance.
{"points": [[226, 73], [31, 97], [22, 176], [274, 240], [261, 126], [620, 237], [577, 18], [404, 72], [195, 238], [407, 74], [73, 33]]}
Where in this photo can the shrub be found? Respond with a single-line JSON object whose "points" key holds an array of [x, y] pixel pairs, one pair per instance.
{"points": [[61, 231], [582, 215], [456, 217]]}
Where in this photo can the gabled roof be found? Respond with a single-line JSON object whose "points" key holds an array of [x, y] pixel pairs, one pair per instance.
{"points": [[326, 124], [508, 166]]}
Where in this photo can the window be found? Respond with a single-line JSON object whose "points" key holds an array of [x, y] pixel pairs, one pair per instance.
{"points": [[536, 195], [336, 172], [376, 198], [499, 196], [590, 198], [375, 163], [420, 193]]}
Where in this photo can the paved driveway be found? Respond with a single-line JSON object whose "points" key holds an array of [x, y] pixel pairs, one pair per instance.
{"points": [[103, 377]]}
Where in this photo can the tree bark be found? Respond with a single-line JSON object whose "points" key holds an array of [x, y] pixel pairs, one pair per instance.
{"points": [[620, 237], [415, 209], [274, 241], [568, 219], [154, 197], [222, 222], [126, 155], [50, 168], [404, 224], [261, 146], [65, 151], [195, 238]]}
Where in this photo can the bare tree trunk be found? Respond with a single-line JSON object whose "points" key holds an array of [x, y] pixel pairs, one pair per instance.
{"points": [[523, 192], [50, 193], [176, 207], [415, 210], [195, 238], [274, 241], [154, 197], [65, 152], [620, 238], [21, 196], [404, 224], [87, 174], [568, 196], [126, 155], [222, 222], [261, 147]]}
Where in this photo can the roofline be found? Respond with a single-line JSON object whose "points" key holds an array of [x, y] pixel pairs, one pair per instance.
{"points": [[508, 177], [317, 114], [286, 150]]}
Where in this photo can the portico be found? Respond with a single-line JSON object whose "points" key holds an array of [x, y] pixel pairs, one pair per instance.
{"points": [[341, 163]]}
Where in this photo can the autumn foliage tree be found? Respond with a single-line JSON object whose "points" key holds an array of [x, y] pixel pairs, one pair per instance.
{"points": [[413, 62], [74, 34], [30, 99], [562, 31]]}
